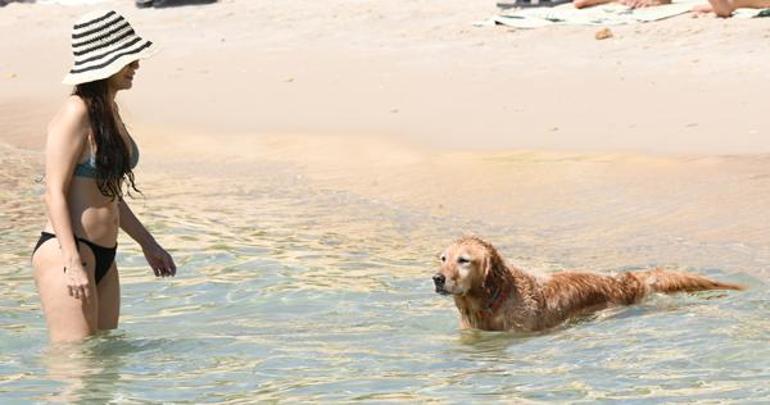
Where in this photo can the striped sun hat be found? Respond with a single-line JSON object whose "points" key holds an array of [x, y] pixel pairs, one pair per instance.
{"points": [[103, 43]]}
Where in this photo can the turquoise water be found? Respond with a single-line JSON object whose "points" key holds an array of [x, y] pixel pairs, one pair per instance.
{"points": [[293, 287]]}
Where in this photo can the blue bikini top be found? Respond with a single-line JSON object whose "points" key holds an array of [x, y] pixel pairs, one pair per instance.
{"points": [[88, 168]]}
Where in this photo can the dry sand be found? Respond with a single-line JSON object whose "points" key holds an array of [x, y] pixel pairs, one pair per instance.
{"points": [[417, 70]]}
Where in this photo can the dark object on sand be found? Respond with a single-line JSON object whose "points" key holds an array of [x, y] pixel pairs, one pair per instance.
{"points": [[7, 2], [506, 4], [170, 3]]}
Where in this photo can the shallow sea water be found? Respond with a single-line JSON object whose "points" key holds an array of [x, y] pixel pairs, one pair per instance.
{"points": [[293, 286]]}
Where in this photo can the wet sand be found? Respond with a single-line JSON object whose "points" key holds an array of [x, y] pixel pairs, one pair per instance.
{"points": [[591, 210]]}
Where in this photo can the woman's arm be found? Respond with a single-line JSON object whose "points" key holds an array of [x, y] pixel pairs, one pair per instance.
{"points": [[67, 135], [161, 262], [131, 225]]}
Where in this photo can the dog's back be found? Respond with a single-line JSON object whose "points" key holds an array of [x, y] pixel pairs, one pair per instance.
{"points": [[571, 293]]}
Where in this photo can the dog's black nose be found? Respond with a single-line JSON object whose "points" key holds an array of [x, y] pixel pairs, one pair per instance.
{"points": [[439, 280]]}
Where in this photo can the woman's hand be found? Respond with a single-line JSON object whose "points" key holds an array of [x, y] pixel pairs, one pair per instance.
{"points": [[77, 281], [159, 260]]}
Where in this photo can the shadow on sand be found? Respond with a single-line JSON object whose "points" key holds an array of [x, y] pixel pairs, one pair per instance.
{"points": [[6, 2]]}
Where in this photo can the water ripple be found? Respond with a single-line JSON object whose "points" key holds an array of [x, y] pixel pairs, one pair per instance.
{"points": [[290, 289]]}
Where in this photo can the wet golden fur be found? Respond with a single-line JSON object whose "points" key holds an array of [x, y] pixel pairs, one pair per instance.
{"points": [[492, 295]]}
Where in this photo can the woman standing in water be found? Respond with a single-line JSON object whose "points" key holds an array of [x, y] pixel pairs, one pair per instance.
{"points": [[89, 156]]}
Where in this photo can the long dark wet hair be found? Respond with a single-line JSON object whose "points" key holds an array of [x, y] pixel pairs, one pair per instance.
{"points": [[113, 163]]}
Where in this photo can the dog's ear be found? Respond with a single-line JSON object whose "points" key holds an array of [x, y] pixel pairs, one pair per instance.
{"points": [[493, 266]]}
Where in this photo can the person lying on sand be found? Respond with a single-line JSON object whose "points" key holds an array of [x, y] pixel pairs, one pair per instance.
{"points": [[629, 3], [725, 8]]}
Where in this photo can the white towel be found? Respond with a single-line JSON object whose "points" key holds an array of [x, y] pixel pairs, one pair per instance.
{"points": [[604, 14]]}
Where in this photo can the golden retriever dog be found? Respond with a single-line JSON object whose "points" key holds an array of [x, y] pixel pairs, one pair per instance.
{"points": [[492, 295]]}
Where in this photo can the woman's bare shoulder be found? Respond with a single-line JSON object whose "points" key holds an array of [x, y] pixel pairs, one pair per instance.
{"points": [[71, 118]]}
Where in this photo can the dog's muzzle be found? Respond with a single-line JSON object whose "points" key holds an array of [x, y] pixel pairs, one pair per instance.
{"points": [[439, 280]]}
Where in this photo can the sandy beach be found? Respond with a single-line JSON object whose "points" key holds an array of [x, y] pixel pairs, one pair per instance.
{"points": [[305, 162], [406, 101], [417, 70]]}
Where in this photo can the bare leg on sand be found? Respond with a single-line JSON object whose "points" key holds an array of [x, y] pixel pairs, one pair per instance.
{"points": [[725, 8]]}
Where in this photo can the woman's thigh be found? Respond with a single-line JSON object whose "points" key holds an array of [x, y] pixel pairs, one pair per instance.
{"points": [[109, 299], [68, 318]]}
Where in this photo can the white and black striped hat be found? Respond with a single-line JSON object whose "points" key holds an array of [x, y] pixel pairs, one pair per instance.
{"points": [[103, 43]]}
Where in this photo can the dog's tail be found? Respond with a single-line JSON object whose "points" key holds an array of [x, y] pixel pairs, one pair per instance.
{"points": [[665, 281]]}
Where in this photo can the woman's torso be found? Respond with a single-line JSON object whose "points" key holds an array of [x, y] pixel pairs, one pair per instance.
{"points": [[93, 215]]}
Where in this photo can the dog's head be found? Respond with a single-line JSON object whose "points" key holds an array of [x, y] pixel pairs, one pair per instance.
{"points": [[466, 266]]}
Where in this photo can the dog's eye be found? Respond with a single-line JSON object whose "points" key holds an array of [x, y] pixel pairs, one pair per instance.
{"points": [[463, 260], [443, 258]]}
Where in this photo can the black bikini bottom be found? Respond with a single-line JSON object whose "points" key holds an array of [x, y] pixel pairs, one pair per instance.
{"points": [[104, 256]]}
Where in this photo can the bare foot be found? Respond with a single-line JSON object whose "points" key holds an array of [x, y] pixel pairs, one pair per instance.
{"points": [[722, 8]]}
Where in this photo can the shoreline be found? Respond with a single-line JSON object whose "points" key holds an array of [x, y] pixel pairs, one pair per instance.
{"points": [[601, 210], [655, 130]]}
